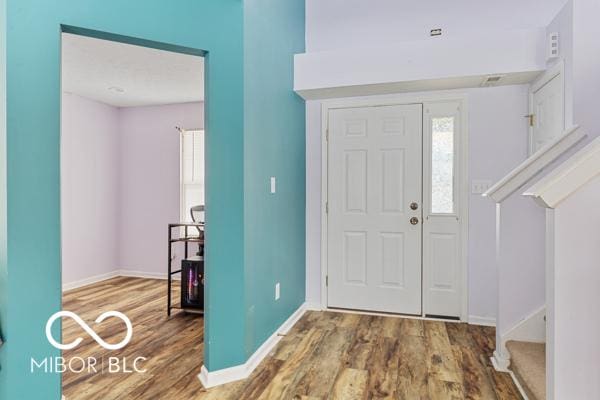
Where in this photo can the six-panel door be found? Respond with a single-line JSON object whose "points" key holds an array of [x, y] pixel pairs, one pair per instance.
{"points": [[374, 175]]}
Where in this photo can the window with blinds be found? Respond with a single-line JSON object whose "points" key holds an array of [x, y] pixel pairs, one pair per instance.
{"points": [[192, 172]]}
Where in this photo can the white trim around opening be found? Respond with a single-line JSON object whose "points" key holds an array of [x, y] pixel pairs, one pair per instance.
{"points": [[462, 183]]}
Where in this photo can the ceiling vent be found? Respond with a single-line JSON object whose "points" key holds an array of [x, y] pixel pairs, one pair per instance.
{"points": [[492, 80]]}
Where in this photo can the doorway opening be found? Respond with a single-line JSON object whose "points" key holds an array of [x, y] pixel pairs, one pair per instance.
{"points": [[132, 163], [547, 119], [395, 206]]}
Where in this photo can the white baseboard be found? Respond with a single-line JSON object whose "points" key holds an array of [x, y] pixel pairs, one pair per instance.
{"points": [[113, 274], [484, 321], [501, 364], [313, 306], [219, 377], [518, 385], [90, 280], [142, 274]]}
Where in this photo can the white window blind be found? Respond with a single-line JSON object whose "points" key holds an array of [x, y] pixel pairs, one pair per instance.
{"points": [[192, 172]]}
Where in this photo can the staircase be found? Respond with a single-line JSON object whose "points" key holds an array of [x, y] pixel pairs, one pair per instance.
{"points": [[528, 364]]}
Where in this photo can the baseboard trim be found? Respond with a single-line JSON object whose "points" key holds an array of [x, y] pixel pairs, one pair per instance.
{"points": [[518, 385], [483, 321], [501, 364], [89, 281], [113, 274], [219, 377], [141, 274], [313, 306]]}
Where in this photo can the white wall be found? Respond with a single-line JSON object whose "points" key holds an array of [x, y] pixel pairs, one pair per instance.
{"points": [[427, 64], [120, 186], [521, 264], [586, 65], [498, 142], [338, 24], [149, 182], [563, 25], [89, 188], [574, 251], [577, 24], [574, 325]]}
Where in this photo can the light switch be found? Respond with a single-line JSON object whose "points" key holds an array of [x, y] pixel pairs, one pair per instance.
{"points": [[480, 186], [277, 291], [273, 185]]}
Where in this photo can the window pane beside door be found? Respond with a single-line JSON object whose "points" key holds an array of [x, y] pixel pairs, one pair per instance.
{"points": [[442, 165]]}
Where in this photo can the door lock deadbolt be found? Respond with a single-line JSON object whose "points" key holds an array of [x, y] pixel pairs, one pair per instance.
{"points": [[414, 206]]}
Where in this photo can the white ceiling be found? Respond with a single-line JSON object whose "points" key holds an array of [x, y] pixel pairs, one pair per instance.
{"points": [[125, 75]]}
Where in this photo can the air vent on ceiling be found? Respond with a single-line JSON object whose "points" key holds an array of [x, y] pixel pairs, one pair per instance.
{"points": [[492, 80]]}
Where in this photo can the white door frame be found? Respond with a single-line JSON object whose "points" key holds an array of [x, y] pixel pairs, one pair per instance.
{"points": [[463, 184], [555, 71]]}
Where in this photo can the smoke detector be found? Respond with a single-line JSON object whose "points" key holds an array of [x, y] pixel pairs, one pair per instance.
{"points": [[492, 80]]}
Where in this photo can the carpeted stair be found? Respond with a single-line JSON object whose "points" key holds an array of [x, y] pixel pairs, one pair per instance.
{"points": [[528, 363]]}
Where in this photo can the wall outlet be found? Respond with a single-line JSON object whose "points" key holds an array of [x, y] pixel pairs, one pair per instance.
{"points": [[277, 291], [480, 186], [273, 185]]}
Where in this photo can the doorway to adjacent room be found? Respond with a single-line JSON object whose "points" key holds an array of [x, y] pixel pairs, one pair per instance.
{"points": [[132, 166]]}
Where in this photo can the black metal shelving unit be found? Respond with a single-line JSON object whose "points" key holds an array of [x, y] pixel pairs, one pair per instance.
{"points": [[185, 239]]}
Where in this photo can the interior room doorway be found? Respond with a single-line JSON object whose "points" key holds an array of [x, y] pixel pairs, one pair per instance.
{"points": [[132, 164], [547, 120]]}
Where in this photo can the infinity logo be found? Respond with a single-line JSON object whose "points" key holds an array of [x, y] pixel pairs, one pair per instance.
{"points": [[89, 330]]}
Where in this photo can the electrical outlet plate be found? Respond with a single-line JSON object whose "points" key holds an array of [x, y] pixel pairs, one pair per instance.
{"points": [[552, 50]]}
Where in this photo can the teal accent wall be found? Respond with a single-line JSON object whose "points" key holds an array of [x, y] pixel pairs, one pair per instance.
{"points": [[3, 269], [30, 284], [274, 145]]}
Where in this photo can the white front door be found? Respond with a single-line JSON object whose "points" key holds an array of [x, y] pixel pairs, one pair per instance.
{"points": [[547, 102], [374, 176]]}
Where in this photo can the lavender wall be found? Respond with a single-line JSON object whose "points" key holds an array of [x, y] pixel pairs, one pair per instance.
{"points": [[89, 189], [338, 24], [120, 186], [497, 144], [149, 182]]}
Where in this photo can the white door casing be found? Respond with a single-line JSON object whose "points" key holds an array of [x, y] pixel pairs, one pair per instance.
{"points": [[374, 258], [547, 106]]}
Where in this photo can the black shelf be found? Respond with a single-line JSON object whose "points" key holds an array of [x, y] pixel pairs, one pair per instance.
{"points": [[185, 239]]}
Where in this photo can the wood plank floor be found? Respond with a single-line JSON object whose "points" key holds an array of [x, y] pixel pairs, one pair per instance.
{"points": [[327, 355]]}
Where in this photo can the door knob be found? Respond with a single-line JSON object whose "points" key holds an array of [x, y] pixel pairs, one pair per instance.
{"points": [[414, 206], [414, 220]]}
